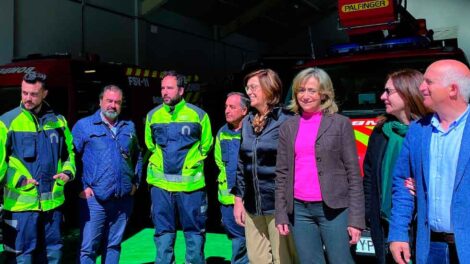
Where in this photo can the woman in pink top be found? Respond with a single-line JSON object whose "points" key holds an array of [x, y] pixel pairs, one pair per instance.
{"points": [[319, 193]]}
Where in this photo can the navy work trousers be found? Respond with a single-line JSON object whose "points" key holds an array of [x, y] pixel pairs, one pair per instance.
{"points": [[33, 237], [191, 207]]}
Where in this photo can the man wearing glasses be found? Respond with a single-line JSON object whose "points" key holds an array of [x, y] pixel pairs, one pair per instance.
{"points": [[36, 161]]}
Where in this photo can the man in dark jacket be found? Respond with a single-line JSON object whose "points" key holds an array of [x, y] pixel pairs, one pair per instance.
{"points": [[112, 166]]}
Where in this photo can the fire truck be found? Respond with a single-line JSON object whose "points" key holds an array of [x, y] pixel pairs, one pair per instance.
{"points": [[384, 38]]}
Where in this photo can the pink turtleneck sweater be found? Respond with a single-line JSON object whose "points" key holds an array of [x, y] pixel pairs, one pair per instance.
{"points": [[306, 182]]}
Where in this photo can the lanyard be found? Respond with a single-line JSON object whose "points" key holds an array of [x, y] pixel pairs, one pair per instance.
{"points": [[124, 154]]}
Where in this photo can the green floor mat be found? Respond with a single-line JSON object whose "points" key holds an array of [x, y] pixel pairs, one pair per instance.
{"points": [[140, 248]]}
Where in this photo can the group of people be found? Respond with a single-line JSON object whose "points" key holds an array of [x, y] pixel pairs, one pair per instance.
{"points": [[37, 158], [298, 189], [415, 177], [289, 186]]}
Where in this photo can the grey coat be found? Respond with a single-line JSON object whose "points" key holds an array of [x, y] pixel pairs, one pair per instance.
{"points": [[337, 164]]}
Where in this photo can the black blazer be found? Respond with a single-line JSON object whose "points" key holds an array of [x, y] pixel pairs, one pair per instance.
{"points": [[372, 190], [337, 163]]}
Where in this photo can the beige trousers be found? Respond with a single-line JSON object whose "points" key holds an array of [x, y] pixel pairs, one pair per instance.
{"points": [[264, 244]]}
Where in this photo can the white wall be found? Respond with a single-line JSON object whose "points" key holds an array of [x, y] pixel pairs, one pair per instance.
{"points": [[444, 14]]}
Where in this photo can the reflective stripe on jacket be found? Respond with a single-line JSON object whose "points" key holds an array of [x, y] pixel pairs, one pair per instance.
{"points": [[34, 147], [179, 140], [227, 144]]}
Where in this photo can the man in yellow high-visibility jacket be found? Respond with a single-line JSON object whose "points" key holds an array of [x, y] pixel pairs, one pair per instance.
{"points": [[227, 145], [36, 160], [179, 136]]}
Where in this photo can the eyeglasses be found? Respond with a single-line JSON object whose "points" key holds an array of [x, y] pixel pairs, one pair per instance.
{"points": [[33, 77], [310, 91], [389, 91], [253, 88]]}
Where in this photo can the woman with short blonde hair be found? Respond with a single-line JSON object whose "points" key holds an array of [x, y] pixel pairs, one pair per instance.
{"points": [[319, 194], [328, 104]]}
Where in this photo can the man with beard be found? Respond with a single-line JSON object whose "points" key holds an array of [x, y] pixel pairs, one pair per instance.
{"points": [[36, 160], [112, 165], [227, 145], [179, 136]]}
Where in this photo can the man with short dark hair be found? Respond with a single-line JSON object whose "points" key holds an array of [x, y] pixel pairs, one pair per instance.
{"points": [[36, 161], [227, 145], [436, 153], [112, 166], [179, 136]]}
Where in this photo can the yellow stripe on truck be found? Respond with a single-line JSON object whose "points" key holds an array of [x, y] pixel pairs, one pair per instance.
{"points": [[361, 137]]}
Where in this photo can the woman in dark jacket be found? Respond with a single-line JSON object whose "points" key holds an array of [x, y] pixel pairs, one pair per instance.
{"points": [[318, 184], [254, 189], [403, 104]]}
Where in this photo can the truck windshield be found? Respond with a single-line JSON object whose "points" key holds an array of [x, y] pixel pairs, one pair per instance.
{"points": [[359, 85]]}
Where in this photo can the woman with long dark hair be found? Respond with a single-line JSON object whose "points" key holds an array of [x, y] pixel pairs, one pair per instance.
{"points": [[403, 104]]}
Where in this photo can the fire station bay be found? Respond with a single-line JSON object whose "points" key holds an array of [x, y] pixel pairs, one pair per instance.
{"points": [[220, 131]]}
